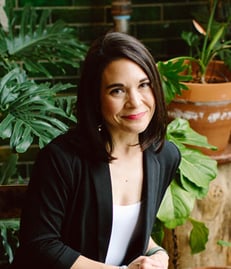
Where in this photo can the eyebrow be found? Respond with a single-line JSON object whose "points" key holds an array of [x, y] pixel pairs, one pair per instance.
{"points": [[114, 85], [121, 85]]}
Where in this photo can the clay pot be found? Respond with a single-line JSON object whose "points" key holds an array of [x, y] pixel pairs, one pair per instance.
{"points": [[208, 108]]}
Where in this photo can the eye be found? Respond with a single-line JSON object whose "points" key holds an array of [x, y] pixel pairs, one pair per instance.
{"points": [[117, 91], [145, 84]]}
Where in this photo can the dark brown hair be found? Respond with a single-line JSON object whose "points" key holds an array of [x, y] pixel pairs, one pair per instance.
{"points": [[103, 51]]}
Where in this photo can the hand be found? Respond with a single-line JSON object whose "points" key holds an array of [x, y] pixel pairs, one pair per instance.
{"points": [[159, 261]]}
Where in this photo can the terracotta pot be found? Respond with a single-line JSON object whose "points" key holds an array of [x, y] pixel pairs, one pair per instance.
{"points": [[208, 108]]}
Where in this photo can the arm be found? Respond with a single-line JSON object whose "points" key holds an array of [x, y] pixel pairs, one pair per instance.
{"points": [[157, 260], [85, 263], [41, 244], [153, 249], [151, 244]]}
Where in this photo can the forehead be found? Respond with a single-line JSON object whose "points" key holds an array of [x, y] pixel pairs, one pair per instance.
{"points": [[122, 68]]}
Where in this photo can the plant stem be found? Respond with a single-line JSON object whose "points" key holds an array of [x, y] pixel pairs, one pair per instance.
{"points": [[175, 252], [204, 56]]}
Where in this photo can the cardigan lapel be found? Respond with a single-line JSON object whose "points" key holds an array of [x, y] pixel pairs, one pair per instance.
{"points": [[152, 171], [138, 246], [101, 177]]}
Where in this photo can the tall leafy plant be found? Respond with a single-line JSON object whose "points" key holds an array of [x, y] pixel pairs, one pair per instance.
{"points": [[33, 112], [32, 41], [28, 111]]}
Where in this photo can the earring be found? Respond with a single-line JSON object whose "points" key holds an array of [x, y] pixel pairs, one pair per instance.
{"points": [[100, 127]]}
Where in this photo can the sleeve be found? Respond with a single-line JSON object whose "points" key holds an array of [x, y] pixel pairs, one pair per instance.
{"points": [[41, 244], [169, 160], [173, 159]]}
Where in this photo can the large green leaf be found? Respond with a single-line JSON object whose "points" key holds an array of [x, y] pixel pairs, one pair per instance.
{"points": [[198, 236], [37, 42], [6, 126], [197, 171], [180, 132], [176, 206], [22, 137], [194, 175], [171, 73], [33, 113]]}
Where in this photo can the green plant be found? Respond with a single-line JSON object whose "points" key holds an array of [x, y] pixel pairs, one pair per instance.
{"points": [[196, 170], [209, 43], [33, 112], [9, 240], [27, 112], [172, 75], [224, 243], [205, 45], [194, 175], [31, 41]]}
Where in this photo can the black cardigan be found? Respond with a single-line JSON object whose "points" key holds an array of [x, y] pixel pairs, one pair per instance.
{"points": [[68, 208]]}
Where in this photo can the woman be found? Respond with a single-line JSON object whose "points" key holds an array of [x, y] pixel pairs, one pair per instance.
{"points": [[95, 191]]}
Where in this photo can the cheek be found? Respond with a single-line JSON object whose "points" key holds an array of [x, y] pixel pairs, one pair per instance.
{"points": [[150, 99], [152, 103], [108, 108]]}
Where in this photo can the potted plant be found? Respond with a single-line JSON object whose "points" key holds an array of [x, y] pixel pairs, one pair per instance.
{"points": [[196, 170], [177, 78], [205, 100]]}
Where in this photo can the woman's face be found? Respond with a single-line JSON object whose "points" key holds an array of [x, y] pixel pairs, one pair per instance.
{"points": [[127, 101]]}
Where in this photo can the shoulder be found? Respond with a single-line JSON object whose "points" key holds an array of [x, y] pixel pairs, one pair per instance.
{"points": [[65, 143], [60, 150], [170, 150], [168, 155], [166, 161], [58, 163]]}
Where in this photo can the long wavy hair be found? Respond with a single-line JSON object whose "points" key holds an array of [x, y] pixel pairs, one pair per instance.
{"points": [[104, 50]]}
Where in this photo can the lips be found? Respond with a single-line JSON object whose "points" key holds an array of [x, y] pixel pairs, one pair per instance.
{"points": [[134, 116]]}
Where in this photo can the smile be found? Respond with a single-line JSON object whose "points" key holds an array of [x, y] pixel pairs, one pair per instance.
{"points": [[135, 116]]}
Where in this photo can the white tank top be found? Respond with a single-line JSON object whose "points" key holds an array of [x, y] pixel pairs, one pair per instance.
{"points": [[124, 222]]}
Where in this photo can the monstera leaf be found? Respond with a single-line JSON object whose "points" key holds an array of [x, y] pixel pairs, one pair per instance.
{"points": [[33, 40], [28, 111]]}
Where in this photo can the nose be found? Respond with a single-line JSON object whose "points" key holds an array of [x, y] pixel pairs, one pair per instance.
{"points": [[133, 98]]}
